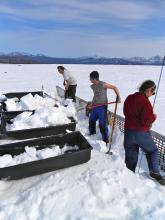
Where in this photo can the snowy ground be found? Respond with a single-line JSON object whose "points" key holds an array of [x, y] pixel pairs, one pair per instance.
{"points": [[102, 188], [127, 78]]}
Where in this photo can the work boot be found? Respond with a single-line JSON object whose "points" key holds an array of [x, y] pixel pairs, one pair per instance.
{"points": [[156, 176], [106, 141], [92, 133]]}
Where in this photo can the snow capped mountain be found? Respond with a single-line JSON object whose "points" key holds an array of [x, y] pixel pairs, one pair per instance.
{"points": [[19, 57]]}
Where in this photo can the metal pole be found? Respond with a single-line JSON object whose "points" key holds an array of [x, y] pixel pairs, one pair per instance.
{"points": [[46, 94], [159, 81], [113, 126]]}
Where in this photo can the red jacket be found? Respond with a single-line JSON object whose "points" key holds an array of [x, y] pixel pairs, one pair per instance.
{"points": [[138, 112]]}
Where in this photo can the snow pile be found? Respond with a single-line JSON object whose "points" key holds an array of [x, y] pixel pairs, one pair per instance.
{"points": [[103, 188], [12, 105], [28, 102], [43, 116], [32, 154], [2, 98]]}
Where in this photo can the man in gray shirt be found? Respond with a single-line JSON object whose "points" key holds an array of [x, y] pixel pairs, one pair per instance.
{"points": [[70, 83], [100, 98]]}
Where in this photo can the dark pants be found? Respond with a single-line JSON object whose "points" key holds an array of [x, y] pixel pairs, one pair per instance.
{"points": [[71, 92], [135, 139], [99, 113]]}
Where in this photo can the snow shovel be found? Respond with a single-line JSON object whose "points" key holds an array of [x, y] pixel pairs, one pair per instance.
{"points": [[113, 126], [49, 96]]}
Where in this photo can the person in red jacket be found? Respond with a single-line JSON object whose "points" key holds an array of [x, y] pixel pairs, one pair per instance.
{"points": [[139, 117]]}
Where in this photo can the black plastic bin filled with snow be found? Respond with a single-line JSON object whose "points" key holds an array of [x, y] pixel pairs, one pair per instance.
{"points": [[79, 156], [8, 115], [39, 131], [21, 94], [18, 95]]}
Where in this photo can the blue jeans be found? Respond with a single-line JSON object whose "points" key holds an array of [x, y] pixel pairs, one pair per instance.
{"points": [[135, 139], [99, 113]]}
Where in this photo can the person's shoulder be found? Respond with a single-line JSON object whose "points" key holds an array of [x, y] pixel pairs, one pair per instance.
{"points": [[137, 95], [128, 97], [66, 72], [131, 96], [103, 84], [141, 98]]}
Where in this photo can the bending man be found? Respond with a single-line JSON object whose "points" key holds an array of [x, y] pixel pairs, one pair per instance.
{"points": [[70, 83], [100, 113]]}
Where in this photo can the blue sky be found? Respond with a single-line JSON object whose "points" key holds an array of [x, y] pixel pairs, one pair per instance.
{"points": [[75, 28]]}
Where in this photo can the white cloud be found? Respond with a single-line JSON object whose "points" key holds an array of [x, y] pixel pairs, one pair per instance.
{"points": [[86, 11], [71, 44]]}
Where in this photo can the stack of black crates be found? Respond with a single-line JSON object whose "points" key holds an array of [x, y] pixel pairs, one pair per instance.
{"points": [[40, 138]]}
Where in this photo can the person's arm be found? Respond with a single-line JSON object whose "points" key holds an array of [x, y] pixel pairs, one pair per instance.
{"points": [[147, 115], [115, 89], [66, 79], [66, 84]]}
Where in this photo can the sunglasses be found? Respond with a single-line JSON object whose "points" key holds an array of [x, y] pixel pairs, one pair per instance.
{"points": [[153, 90]]}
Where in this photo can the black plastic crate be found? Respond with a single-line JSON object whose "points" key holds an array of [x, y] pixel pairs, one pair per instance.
{"points": [[17, 95], [82, 155], [21, 94], [12, 114], [37, 132]]}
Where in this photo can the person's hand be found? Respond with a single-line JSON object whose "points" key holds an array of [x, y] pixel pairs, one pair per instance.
{"points": [[66, 87], [119, 100], [89, 106]]}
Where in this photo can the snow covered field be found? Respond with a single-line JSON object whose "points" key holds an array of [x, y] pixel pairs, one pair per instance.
{"points": [[127, 78], [101, 189]]}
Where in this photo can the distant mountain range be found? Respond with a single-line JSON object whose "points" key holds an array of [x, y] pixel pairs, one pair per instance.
{"points": [[24, 58]]}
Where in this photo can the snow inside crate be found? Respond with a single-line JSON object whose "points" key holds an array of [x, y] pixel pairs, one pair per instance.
{"points": [[42, 131], [70, 149], [44, 121], [21, 101]]}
